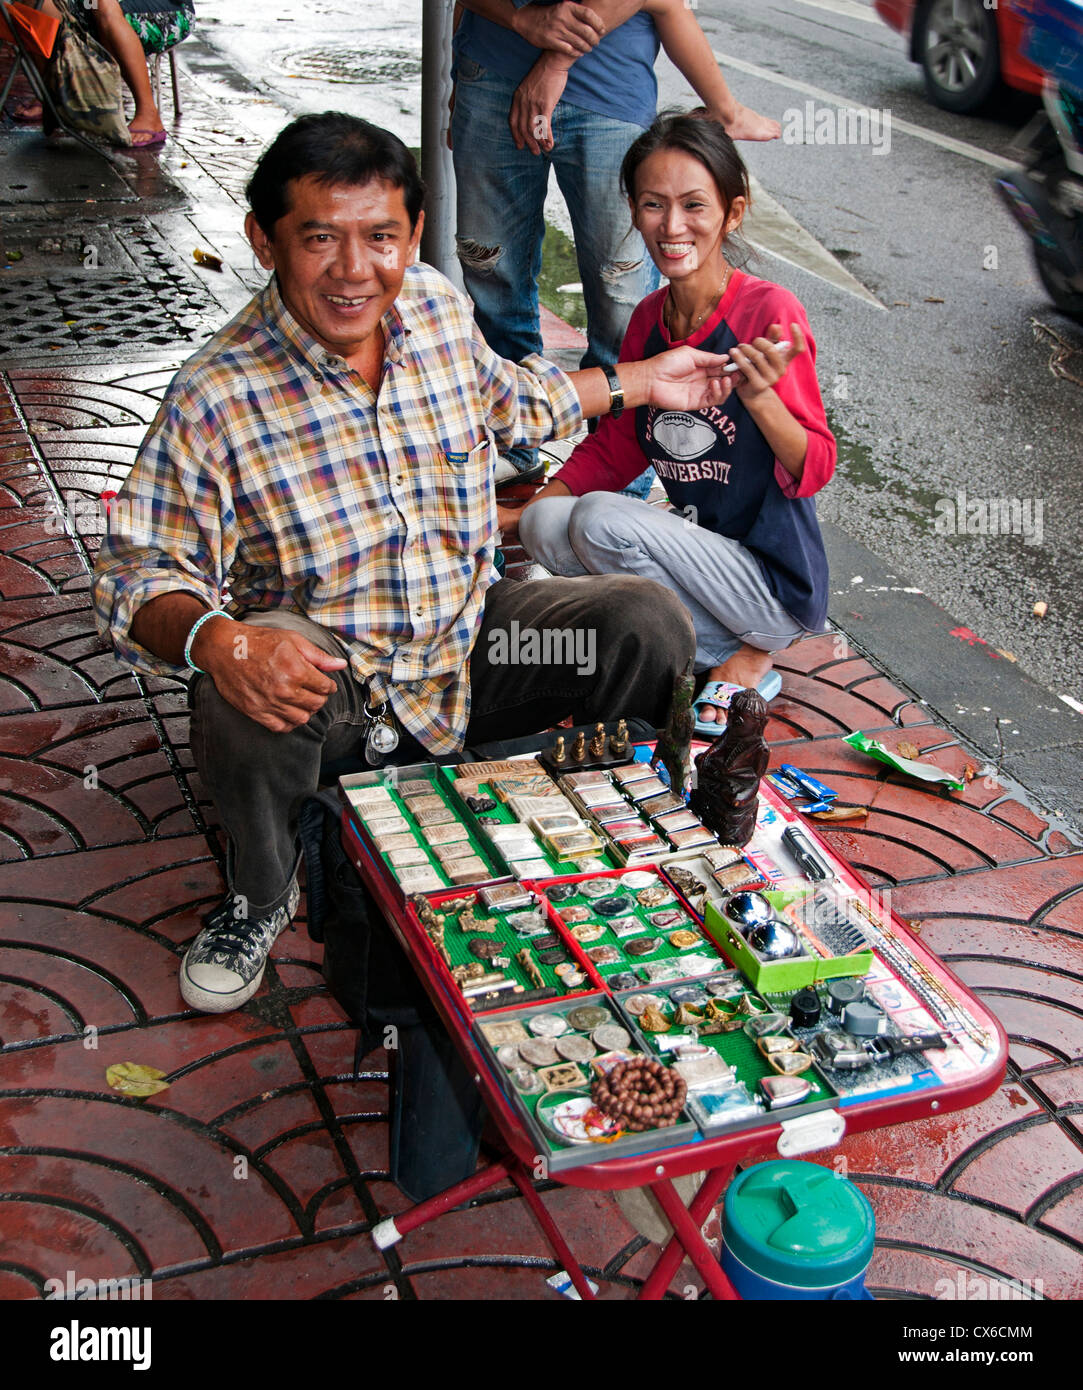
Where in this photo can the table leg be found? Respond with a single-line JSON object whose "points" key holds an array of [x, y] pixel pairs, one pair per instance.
{"points": [[391, 1231], [687, 1237], [557, 1243]]}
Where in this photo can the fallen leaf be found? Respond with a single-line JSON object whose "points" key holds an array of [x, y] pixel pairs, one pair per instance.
{"points": [[932, 299], [968, 772], [15, 255], [916, 926], [908, 750], [135, 1079]]}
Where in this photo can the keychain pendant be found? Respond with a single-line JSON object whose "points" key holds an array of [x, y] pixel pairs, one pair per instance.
{"points": [[382, 739]]}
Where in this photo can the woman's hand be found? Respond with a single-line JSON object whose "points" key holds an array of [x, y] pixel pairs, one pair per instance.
{"points": [[763, 363]]}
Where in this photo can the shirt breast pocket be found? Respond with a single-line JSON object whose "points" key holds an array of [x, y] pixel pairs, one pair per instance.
{"points": [[467, 504]]}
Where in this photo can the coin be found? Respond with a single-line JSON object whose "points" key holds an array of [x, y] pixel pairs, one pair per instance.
{"points": [[539, 1053], [587, 1017], [604, 955], [575, 1048], [684, 938], [575, 913], [596, 887], [558, 892], [547, 1025], [574, 979], [610, 1037], [508, 1056], [643, 946], [555, 956], [638, 1002], [628, 979], [587, 931], [637, 879]]}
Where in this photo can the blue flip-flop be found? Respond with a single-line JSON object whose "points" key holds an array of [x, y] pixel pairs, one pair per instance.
{"points": [[720, 693]]}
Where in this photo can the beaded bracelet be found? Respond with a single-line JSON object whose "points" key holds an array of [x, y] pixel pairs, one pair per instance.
{"points": [[194, 629]]}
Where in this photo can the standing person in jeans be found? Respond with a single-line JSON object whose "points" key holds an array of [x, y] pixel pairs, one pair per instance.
{"points": [[568, 87]]}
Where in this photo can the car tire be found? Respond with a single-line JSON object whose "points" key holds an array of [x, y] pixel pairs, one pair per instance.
{"points": [[958, 46]]}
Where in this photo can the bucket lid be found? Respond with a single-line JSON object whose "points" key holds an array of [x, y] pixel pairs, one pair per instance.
{"points": [[798, 1223]]}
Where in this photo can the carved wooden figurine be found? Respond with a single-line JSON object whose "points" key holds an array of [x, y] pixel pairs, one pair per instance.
{"points": [[728, 773]]}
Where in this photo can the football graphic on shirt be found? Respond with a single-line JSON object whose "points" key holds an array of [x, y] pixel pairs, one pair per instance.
{"points": [[682, 436]]}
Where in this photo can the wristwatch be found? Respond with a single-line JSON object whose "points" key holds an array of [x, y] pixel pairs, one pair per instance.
{"points": [[616, 392]]}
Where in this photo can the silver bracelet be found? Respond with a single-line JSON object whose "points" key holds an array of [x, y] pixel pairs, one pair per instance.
{"points": [[194, 629]]}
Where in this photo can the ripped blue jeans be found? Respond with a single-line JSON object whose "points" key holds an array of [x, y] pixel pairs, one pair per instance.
{"points": [[500, 223]]}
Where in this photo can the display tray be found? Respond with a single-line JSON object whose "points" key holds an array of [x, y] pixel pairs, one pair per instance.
{"points": [[415, 834], [612, 926], [500, 1035], [549, 864], [517, 988], [736, 1007]]}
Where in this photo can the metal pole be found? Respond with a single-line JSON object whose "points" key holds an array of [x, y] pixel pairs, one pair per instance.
{"points": [[438, 239]]}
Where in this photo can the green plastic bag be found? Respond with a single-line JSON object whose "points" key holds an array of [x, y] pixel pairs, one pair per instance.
{"points": [[925, 772]]}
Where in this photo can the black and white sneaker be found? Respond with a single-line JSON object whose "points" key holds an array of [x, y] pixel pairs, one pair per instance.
{"points": [[225, 963], [506, 472]]}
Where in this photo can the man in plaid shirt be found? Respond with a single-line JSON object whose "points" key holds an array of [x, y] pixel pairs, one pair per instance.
{"points": [[310, 525]]}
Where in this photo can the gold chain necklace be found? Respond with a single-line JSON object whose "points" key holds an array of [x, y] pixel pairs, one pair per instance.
{"points": [[668, 308]]}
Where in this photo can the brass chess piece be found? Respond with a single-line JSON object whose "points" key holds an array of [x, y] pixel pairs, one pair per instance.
{"points": [[579, 747], [559, 752], [597, 743], [618, 742]]}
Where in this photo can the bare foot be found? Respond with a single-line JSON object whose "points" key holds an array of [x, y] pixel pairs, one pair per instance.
{"points": [[750, 125], [746, 667]]}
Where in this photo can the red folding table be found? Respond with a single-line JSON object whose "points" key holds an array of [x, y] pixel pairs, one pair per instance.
{"points": [[977, 1073]]}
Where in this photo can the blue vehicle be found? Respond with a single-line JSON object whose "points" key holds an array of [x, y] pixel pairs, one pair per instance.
{"points": [[1046, 193]]}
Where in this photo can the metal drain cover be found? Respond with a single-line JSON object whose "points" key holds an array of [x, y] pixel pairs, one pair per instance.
{"points": [[63, 312], [347, 64]]}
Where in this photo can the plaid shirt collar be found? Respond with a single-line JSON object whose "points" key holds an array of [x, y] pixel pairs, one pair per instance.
{"points": [[300, 344]]}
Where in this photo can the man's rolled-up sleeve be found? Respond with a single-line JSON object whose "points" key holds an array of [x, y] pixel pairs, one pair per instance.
{"points": [[172, 528], [525, 403]]}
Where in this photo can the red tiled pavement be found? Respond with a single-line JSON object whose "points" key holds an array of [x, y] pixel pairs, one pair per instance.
{"points": [[260, 1171]]}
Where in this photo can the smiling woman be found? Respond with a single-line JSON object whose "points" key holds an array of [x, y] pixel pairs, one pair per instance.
{"points": [[741, 547]]}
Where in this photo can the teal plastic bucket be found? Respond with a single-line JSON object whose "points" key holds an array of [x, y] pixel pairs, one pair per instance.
{"points": [[793, 1230]]}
